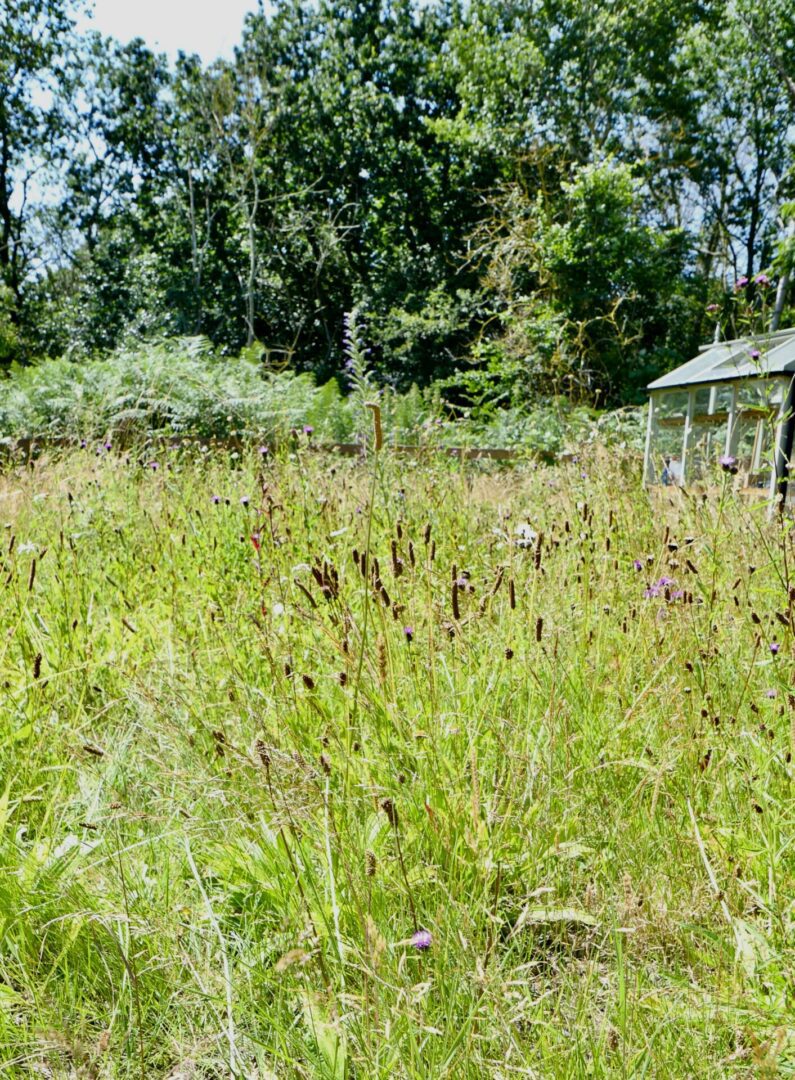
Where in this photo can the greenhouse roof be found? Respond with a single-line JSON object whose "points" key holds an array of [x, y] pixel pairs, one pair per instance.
{"points": [[725, 360]]}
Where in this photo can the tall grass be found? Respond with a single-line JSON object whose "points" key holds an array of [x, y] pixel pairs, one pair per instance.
{"points": [[244, 761]]}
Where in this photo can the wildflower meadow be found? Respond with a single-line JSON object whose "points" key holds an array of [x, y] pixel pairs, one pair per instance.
{"points": [[319, 767]]}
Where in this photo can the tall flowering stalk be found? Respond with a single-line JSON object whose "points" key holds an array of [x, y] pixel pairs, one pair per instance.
{"points": [[363, 388]]}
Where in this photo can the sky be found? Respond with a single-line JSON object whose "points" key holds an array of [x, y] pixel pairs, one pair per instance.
{"points": [[210, 28]]}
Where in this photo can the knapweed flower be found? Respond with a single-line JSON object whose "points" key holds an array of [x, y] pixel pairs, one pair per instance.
{"points": [[83, 444], [637, 564], [712, 308], [728, 463], [754, 354], [409, 632], [245, 500], [263, 451], [108, 445], [215, 499], [658, 588], [422, 940], [153, 465], [774, 647], [762, 280], [740, 283], [770, 693], [308, 429]]}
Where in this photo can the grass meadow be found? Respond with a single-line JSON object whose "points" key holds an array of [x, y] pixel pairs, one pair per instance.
{"points": [[343, 769]]}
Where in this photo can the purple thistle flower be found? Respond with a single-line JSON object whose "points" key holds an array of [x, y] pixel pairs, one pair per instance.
{"points": [[422, 940], [308, 429], [83, 444], [774, 647], [108, 445], [244, 500], [153, 465], [770, 693], [658, 588], [762, 279], [740, 283], [728, 464], [711, 308], [409, 632], [263, 451], [216, 500], [637, 564], [754, 354]]}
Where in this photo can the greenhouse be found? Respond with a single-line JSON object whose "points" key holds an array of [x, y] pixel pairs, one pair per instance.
{"points": [[727, 410]]}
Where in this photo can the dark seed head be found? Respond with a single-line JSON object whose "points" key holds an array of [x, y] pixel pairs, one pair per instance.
{"points": [[391, 812]]}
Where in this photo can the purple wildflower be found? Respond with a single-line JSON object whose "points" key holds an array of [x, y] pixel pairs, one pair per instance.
{"points": [[409, 632], [770, 693], [308, 429], [762, 279], [728, 464], [422, 940], [754, 354], [83, 444], [711, 308], [153, 465], [658, 588], [216, 500], [740, 283], [108, 445], [245, 500], [637, 564], [774, 647], [263, 451]]}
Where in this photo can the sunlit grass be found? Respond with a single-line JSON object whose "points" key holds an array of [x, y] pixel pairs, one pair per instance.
{"points": [[242, 766]]}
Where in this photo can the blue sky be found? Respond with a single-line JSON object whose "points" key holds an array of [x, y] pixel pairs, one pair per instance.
{"points": [[210, 28]]}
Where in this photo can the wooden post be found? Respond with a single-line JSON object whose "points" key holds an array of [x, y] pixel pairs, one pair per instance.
{"points": [[731, 429], [785, 432], [691, 406], [648, 474]]}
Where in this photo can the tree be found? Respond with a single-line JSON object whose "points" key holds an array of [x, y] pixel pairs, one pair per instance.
{"points": [[34, 42], [586, 289]]}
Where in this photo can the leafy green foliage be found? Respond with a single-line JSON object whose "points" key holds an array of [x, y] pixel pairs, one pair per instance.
{"points": [[519, 200], [183, 387]]}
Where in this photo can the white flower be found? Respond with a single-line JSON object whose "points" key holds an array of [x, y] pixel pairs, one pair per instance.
{"points": [[277, 610], [527, 536], [27, 547]]}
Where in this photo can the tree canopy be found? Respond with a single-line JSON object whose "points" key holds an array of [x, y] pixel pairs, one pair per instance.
{"points": [[517, 199]]}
